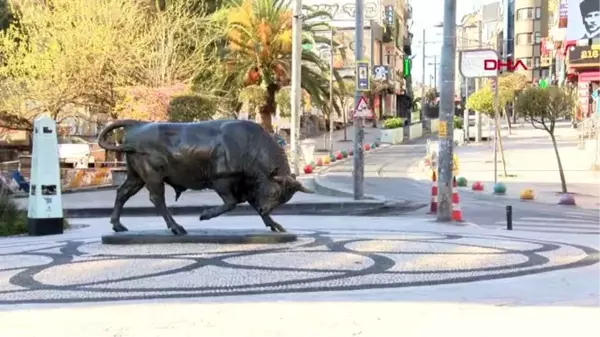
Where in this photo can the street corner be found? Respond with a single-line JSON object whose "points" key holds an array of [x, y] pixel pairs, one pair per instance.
{"points": [[329, 255]]}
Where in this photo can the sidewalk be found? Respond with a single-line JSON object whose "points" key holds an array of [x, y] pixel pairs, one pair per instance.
{"points": [[531, 163]]}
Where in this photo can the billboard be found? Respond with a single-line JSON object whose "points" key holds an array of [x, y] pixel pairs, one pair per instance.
{"points": [[583, 19]]}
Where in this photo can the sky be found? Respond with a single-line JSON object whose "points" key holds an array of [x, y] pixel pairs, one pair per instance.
{"points": [[426, 14]]}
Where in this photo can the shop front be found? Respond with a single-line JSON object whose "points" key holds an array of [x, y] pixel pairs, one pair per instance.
{"points": [[583, 64]]}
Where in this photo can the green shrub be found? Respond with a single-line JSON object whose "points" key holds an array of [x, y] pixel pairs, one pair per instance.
{"points": [[191, 108], [393, 123], [458, 122], [13, 219]]}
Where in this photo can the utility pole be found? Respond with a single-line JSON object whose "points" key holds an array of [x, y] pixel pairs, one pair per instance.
{"points": [[435, 67], [445, 175], [464, 43], [358, 159], [435, 70], [477, 113], [331, 91], [296, 84], [423, 78]]}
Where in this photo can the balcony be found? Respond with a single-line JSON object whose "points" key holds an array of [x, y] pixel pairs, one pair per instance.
{"points": [[408, 39], [388, 34], [407, 44]]}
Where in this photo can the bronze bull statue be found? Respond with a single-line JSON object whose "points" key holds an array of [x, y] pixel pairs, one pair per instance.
{"points": [[237, 159]]}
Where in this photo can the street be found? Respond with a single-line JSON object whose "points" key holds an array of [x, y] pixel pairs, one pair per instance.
{"points": [[386, 175]]}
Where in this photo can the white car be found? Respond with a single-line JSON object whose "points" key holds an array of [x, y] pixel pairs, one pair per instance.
{"points": [[74, 150]]}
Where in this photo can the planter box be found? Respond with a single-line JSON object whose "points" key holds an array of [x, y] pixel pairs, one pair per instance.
{"points": [[391, 136], [416, 131], [432, 112], [459, 136]]}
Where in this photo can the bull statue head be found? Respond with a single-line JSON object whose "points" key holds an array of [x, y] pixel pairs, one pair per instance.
{"points": [[279, 191], [292, 185]]}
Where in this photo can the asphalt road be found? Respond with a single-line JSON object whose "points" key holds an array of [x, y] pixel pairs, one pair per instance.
{"points": [[386, 175]]}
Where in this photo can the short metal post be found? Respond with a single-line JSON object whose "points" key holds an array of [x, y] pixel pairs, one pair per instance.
{"points": [[509, 217]]}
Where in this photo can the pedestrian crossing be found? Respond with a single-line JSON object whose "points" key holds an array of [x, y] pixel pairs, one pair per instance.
{"points": [[580, 222]]}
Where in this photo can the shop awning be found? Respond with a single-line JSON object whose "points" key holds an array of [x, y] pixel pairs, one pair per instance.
{"points": [[589, 76]]}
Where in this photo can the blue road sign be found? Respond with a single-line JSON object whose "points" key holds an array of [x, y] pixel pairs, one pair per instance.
{"points": [[362, 76]]}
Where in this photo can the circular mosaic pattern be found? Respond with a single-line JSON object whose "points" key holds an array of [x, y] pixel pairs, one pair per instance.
{"points": [[79, 271]]}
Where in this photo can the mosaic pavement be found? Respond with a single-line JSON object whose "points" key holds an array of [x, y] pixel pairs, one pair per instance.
{"points": [[81, 269]]}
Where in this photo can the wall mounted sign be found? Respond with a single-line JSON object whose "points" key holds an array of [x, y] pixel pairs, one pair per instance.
{"points": [[584, 56]]}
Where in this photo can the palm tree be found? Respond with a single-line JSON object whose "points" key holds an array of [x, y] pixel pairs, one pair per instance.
{"points": [[259, 50]]}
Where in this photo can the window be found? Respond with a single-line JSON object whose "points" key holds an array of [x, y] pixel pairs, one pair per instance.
{"points": [[524, 38], [536, 62], [525, 14], [537, 38], [538, 13], [526, 61]]}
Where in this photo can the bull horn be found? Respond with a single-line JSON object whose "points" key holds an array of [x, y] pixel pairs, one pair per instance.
{"points": [[302, 188], [280, 179]]}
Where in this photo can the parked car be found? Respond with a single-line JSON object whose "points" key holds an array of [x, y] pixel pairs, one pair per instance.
{"points": [[75, 150]]}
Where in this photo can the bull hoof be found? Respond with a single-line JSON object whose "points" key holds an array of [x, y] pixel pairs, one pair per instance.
{"points": [[277, 228], [178, 230], [119, 228], [204, 217]]}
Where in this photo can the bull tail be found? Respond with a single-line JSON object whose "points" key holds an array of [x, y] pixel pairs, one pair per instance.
{"points": [[124, 123]]}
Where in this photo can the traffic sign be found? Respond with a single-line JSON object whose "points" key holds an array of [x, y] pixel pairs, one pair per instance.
{"points": [[362, 76], [362, 110]]}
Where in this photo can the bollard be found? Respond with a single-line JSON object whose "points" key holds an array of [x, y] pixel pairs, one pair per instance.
{"points": [[509, 217]]}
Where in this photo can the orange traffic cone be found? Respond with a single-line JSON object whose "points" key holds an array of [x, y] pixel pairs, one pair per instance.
{"points": [[434, 193], [456, 211]]}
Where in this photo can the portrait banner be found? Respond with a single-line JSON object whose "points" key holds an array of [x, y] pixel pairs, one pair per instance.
{"points": [[583, 19]]}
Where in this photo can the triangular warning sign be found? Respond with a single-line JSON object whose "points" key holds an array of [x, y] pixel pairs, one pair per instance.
{"points": [[362, 109]]}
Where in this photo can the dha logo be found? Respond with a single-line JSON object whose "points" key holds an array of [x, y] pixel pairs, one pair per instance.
{"points": [[499, 65]]}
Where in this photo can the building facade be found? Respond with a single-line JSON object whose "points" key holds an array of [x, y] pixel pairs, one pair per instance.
{"points": [[385, 34], [530, 27]]}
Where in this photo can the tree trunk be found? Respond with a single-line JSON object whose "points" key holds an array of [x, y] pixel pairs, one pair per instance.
{"points": [[561, 172], [268, 110], [508, 121], [514, 115], [500, 147]]}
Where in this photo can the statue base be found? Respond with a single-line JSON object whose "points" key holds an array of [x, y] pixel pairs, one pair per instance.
{"points": [[221, 236]]}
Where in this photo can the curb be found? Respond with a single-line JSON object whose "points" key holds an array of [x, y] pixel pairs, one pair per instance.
{"points": [[323, 187], [414, 173], [349, 208]]}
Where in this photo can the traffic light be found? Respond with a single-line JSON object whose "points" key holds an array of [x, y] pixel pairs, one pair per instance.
{"points": [[389, 15], [406, 67]]}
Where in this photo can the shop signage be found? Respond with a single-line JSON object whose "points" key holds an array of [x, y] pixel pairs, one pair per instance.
{"points": [[584, 56]]}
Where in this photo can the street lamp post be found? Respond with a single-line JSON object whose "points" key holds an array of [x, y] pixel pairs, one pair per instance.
{"points": [[444, 211], [358, 163], [331, 91], [296, 102]]}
